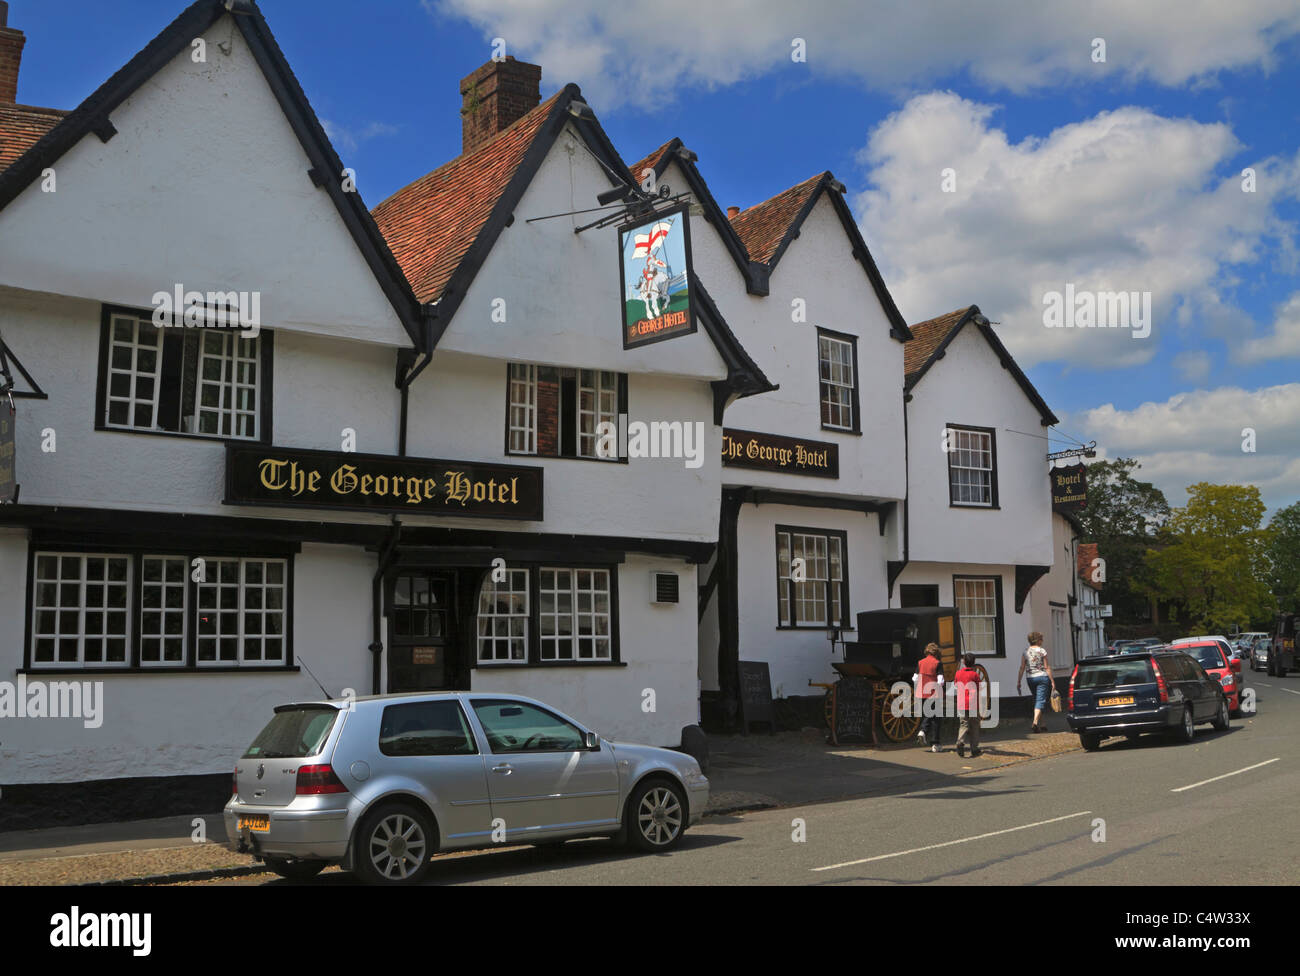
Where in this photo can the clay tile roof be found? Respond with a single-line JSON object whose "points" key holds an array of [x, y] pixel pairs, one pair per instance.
{"points": [[430, 224], [927, 337], [1086, 553], [21, 126], [763, 227], [653, 159]]}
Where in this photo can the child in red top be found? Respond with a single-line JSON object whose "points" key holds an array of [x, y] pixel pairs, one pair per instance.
{"points": [[929, 684], [967, 684]]}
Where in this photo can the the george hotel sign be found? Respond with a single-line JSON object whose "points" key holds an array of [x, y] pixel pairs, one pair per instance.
{"points": [[775, 452], [380, 483]]}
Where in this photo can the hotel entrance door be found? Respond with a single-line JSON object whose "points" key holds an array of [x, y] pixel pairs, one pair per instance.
{"points": [[421, 623]]}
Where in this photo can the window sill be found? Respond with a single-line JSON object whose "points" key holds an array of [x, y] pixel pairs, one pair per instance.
{"points": [[210, 438], [567, 457], [852, 432], [969, 505], [820, 627], [174, 669], [525, 665]]}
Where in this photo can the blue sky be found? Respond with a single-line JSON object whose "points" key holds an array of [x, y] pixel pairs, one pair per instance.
{"points": [[1123, 174]]}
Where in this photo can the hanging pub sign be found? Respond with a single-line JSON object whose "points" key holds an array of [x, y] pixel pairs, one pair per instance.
{"points": [[8, 480], [654, 268], [775, 452], [380, 483], [1069, 488]]}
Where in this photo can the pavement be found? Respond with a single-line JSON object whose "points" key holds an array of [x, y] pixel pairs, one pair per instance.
{"points": [[746, 773]]}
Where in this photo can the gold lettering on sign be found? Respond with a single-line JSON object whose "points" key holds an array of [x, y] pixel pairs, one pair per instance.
{"points": [[458, 487], [277, 475], [344, 480]]}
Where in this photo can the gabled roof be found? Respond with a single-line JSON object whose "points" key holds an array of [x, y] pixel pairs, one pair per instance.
{"points": [[21, 127], [93, 116], [431, 224], [443, 226], [930, 341], [768, 229]]}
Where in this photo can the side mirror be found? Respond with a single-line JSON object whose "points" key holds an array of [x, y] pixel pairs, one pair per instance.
{"points": [[591, 740], [1235, 665]]}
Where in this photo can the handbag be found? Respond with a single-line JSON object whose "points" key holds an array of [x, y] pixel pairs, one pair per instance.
{"points": [[1056, 699]]}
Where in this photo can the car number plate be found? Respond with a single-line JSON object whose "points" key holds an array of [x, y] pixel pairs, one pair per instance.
{"points": [[1116, 700], [260, 825]]}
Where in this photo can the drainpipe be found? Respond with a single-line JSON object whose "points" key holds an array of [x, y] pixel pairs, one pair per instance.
{"points": [[376, 603], [907, 502]]}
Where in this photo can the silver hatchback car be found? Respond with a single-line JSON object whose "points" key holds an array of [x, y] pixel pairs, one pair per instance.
{"points": [[379, 784]]}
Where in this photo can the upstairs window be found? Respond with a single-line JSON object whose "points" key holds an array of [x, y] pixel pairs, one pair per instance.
{"points": [[556, 411], [837, 368], [208, 382], [972, 466], [811, 584]]}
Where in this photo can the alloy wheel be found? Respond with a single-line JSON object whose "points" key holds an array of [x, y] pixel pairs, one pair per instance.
{"points": [[659, 817], [398, 847]]}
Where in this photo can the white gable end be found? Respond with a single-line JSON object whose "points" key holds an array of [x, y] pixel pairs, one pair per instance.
{"points": [[205, 186]]}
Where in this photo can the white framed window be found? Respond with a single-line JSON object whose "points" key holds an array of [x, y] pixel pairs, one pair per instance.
{"points": [[80, 613], [836, 364], [207, 381], [164, 586], [241, 612], [226, 394], [556, 411], [977, 601], [574, 614], [503, 613], [971, 467], [523, 408], [818, 598], [597, 404]]}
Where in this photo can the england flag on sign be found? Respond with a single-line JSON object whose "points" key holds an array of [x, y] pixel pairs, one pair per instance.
{"points": [[647, 244]]}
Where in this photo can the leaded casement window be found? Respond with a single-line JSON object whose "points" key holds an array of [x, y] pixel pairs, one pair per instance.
{"points": [[202, 381], [837, 370], [979, 608], [554, 411], [503, 618], [574, 614]]}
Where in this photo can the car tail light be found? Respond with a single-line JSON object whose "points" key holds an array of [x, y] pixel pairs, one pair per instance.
{"points": [[1160, 682], [234, 782], [314, 780], [1070, 700]]}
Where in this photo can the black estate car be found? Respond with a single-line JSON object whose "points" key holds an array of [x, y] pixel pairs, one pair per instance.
{"points": [[1153, 691]]}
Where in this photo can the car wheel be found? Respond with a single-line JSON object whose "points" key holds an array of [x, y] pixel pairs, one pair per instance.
{"points": [[1091, 741], [1222, 721], [394, 844], [1187, 728], [295, 870], [656, 816]]}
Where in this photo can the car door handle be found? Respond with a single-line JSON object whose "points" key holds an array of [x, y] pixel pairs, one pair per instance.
{"points": [[504, 769]]}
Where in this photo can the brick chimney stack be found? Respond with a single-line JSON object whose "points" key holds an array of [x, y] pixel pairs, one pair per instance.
{"points": [[733, 212], [494, 96], [11, 54]]}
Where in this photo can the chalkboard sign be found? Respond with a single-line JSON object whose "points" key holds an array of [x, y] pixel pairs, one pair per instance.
{"points": [[853, 707], [755, 695]]}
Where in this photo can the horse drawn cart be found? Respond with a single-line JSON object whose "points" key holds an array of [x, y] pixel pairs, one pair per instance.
{"points": [[890, 644]]}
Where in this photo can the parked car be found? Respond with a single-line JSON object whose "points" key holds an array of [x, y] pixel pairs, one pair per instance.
{"points": [[1224, 667], [1281, 656], [1153, 691], [1246, 639], [1115, 646], [380, 784], [1259, 654]]}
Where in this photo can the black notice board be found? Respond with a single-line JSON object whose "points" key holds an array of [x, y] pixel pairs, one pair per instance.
{"points": [[755, 695], [853, 707]]}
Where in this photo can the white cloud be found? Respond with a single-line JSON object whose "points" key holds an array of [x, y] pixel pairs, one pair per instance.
{"points": [[347, 139], [1082, 206], [1282, 342], [647, 54], [1198, 436]]}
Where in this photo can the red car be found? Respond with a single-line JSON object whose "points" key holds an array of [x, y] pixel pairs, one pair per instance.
{"points": [[1221, 667]]}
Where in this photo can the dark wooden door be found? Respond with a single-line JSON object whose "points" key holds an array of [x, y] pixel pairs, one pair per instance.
{"points": [[421, 623]]}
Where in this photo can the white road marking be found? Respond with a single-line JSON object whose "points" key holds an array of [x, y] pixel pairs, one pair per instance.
{"points": [[1263, 685], [1291, 691], [950, 843], [1235, 772]]}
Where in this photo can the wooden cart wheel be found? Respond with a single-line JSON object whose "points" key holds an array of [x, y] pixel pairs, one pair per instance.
{"points": [[829, 708], [895, 728]]}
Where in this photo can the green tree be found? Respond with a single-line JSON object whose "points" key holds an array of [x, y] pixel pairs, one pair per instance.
{"points": [[1283, 557], [1211, 557], [1122, 516]]}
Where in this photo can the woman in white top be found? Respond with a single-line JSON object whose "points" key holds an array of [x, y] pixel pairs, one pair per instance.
{"points": [[1034, 665]]}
